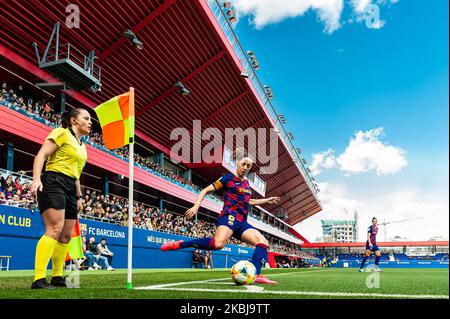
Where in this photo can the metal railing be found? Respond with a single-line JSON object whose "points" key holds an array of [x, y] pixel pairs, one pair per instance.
{"points": [[69, 52], [227, 28]]}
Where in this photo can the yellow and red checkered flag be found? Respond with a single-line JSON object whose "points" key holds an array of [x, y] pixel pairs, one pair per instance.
{"points": [[116, 118], [75, 246]]}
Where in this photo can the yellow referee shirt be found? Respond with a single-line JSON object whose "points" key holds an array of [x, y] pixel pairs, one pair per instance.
{"points": [[70, 157]]}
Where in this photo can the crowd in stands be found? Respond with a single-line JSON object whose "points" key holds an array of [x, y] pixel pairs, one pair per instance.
{"points": [[297, 262], [109, 208], [16, 99], [14, 191], [282, 228], [386, 256], [147, 164], [38, 109]]}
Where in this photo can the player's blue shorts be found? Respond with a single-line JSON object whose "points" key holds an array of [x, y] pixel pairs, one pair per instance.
{"points": [[236, 226], [374, 247]]}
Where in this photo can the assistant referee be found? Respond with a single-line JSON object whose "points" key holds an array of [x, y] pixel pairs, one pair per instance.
{"points": [[58, 192]]}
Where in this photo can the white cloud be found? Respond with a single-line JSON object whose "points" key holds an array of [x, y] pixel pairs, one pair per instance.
{"points": [[322, 160], [422, 215], [266, 12], [366, 152], [329, 12], [360, 6], [369, 12]]}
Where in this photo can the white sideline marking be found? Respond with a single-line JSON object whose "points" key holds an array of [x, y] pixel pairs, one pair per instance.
{"points": [[213, 280], [304, 293], [260, 290]]}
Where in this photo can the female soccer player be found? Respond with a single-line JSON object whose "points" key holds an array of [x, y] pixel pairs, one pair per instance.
{"points": [[371, 246], [233, 219], [59, 193]]}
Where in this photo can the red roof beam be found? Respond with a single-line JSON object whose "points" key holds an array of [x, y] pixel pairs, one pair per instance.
{"points": [[161, 9], [186, 79]]}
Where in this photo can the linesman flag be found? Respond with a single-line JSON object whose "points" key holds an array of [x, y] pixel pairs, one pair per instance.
{"points": [[117, 120], [75, 246]]}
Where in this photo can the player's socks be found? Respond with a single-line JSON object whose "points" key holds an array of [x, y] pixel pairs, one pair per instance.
{"points": [[44, 251], [259, 255], [58, 259], [201, 243], [363, 262], [377, 259]]}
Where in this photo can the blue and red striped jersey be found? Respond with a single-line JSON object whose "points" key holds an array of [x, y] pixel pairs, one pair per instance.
{"points": [[236, 196], [373, 234]]}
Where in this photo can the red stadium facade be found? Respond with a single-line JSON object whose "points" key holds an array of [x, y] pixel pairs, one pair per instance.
{"points": [[190, 41]]}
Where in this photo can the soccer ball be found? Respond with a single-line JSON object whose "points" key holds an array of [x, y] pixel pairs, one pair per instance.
{"points": [[243, 273]]}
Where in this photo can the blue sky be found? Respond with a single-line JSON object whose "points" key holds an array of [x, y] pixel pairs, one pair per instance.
{"points": [[330, 85]]}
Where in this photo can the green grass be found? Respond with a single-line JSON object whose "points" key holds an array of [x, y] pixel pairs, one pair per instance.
{"points": [[293, 283]]}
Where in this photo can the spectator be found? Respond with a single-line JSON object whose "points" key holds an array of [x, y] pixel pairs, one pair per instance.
{"points": [[89, 255], [208, 260], [92, 247], [105, 252], [197, 258]]}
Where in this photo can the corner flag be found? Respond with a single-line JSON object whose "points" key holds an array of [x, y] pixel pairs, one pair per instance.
{"points": [[117, 120], [75, 247]]}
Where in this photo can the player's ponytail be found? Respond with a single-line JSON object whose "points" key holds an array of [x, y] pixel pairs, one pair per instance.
{"points": [[68, 115]]}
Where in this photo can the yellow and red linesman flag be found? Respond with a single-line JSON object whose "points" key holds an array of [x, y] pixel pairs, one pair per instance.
{"points": [[75, 246], [117, 120]]}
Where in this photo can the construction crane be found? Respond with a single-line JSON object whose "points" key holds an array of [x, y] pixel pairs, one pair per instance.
{"points": [[384, 223]]}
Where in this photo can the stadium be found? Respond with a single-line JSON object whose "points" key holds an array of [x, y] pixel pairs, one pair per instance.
{"points": [[185, 64]]}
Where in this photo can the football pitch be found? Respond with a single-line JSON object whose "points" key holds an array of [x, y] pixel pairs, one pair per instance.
{"points": [[204, 284]]}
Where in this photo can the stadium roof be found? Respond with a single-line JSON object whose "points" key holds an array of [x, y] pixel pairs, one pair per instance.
{"points": [[182, 41]]}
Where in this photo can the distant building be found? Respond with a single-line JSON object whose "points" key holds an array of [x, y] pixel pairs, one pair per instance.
{"points": [[340, 231]]}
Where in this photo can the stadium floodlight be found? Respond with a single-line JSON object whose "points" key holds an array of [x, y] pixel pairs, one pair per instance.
{"points": [[250, 53], [138, 44], [227, 4], [230, 13], [245, 74], [291, 136], [181, 88], [130, 35], [304, 161], [282, 118], [298, 149], [268, 91]]}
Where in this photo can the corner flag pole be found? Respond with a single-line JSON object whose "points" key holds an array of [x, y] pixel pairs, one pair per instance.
{"points": [[130, 202]]}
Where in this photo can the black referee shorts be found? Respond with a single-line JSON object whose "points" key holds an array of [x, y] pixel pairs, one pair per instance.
{"points": [[58, 192]]}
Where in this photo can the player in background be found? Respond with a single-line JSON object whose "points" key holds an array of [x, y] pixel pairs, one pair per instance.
{"points": [[232, 221], [371, 246]]}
